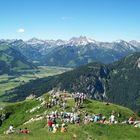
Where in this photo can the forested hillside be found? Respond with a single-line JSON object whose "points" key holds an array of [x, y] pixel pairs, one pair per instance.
{"points": [[117, 82], [11, 60]]}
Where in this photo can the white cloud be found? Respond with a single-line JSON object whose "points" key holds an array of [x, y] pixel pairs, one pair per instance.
{"points": [[21, 30]]}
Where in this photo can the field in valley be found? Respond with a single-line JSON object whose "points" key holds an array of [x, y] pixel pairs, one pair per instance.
{"points": [[8, 82]]}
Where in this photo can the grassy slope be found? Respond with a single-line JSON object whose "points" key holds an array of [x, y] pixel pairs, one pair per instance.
{"points": [[93, 131], [96, 131]]}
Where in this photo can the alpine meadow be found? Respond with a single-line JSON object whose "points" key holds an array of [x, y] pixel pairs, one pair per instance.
{"points": [[69, 70]]}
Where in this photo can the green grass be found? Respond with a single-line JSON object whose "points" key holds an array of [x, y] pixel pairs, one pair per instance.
{"points": [[83, 132], [94, 131]]}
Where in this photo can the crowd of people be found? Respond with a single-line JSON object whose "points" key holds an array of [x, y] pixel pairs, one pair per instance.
{"points": [[76, 117], [78, 98], [59, 120]]}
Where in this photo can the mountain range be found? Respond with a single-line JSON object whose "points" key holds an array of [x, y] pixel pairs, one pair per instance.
{"points": [[117, 82], [74, 52]]}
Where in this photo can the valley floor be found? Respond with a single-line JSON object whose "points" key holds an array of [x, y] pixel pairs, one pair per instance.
{"points": [[8, 83]]}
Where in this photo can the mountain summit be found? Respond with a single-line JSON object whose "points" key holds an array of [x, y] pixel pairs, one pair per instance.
{"points": [[82, 40]]}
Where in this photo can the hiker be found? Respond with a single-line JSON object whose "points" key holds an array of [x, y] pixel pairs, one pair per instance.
{"points": [[20, 131], [77, 121], [119, 115], [64, 105], [131, 120], [112, 119], [63, 129], [86, 121], [25, 131], [82, 98], [102, 120], [50, 123], [95, 118], [46, 105], [10, 130], [75, 98], [54, 129], [56, 114], [53, 119], [72, 119]]}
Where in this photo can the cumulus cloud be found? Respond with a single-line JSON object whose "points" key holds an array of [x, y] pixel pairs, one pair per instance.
{"points": [[21, 30]]}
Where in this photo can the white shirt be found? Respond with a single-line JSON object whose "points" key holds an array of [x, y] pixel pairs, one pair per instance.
{"points": [[11, 128], [112, 118]]}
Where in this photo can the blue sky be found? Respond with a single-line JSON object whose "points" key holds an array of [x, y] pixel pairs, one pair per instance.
{"points": [[103, 20]]}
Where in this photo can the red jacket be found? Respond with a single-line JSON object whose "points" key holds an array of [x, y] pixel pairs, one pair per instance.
{"points": [[50, 123], [25, 131]]}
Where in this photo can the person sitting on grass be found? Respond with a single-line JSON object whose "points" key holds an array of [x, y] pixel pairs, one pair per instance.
{"points": [[86, 121], [10, 130], [112, 119], [50, 123], [95, 118], [77, 121], [63, 129], [25, 131], [20, 131], [54, 128], [131, 120]]}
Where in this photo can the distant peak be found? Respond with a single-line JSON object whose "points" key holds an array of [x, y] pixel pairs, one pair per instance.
{"points": [[35, 40], [135, 43], [82, 40], [119, 41]]}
